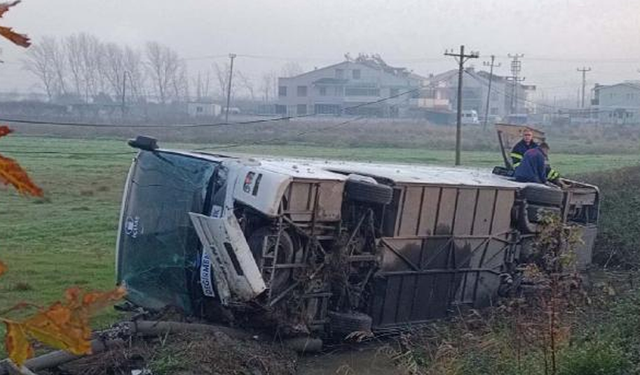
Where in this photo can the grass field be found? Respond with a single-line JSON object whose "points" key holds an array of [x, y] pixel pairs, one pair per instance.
{"points": [[68, 237]]}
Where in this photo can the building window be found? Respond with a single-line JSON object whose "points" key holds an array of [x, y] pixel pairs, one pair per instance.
{"points": [[323, 91], [301, 109], [340, 73], [361, 91], [281, 109], [302, 90], [327, 109], [494, 96], [494, 111], [339, 91], [199, 109], [282, 90], [355, 74]]}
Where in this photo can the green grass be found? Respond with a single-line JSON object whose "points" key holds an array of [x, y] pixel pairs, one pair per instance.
{"points": [[68, 238]]}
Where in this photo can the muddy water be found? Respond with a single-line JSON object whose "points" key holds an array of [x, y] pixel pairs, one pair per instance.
{"points": [[361, 360]]}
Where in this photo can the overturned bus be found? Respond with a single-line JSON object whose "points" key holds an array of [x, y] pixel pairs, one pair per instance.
{"points": [[327, 247]]}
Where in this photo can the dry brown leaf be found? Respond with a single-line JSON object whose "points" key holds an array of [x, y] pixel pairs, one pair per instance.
{"points": [[5, 130], [3, 268], [4, 7], [64, 325], [19, 39], [11, 173], [17, 344]]}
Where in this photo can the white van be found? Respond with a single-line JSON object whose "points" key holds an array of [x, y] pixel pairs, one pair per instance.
{"points": [[470, 117]]}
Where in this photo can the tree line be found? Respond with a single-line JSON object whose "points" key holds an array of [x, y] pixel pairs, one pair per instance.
{"points": [[81, 67]]}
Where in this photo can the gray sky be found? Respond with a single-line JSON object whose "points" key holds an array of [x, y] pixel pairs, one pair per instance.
{"points": [[556, 36]]}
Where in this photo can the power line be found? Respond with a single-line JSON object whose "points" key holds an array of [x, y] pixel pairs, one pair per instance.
{"points": [[567, 109], [275, 139], [183, 126]]}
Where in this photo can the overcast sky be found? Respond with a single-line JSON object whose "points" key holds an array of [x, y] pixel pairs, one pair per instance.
{"points": [[556, 36]]}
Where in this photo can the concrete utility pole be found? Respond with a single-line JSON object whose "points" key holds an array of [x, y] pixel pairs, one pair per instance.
{"points": [[516, 67], [124, 90], [491, 65], [584, 71], [232, 56], [460, 58]]}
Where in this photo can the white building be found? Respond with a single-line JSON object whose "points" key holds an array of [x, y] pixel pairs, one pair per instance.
{"points": [[203, 109], [617, 104], [346, 88]]}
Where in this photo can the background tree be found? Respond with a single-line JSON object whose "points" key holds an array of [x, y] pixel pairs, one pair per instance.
{"points": [[291, 69], [269, 85], [39, 63], [165, 70]]}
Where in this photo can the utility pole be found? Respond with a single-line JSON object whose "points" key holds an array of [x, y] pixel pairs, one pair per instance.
{"points": [[491, 65], [516, 67], [584, 71], [460, 58], [232, 56], [124, 90]]}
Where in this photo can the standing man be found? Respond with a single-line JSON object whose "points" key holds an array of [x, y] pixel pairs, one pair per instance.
{"points": [[525, 144], [533, 167]]}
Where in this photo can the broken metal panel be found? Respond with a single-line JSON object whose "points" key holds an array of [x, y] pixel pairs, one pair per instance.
{"points": [[429, 211], [465, 210], [330, 201], [301, 200], [484, 211], [256, 187], [411, 207], [223, 239], [585, 249], [422, 275], [446, 210], [502, 215]]}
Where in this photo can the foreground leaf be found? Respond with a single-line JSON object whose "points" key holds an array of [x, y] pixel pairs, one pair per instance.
{"points": [[4, 130], [64, 325], [17, 344], [11, 173], [3, 268], [19, 39], [4, 7]]}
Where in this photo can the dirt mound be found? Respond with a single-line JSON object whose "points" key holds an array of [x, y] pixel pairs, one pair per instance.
{"points": [[188, 354], [617, 242]]}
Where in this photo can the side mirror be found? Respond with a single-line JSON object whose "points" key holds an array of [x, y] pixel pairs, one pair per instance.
{"points": [[144, 143]]}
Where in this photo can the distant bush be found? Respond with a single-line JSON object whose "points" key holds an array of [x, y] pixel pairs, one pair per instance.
{"points": [[618, 229]]}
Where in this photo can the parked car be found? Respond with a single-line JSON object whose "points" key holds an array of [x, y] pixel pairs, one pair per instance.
{"points": [[326, 247]]}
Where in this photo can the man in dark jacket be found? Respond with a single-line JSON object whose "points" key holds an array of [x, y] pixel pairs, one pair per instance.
{"points": [[533, 166], [525, 144]]}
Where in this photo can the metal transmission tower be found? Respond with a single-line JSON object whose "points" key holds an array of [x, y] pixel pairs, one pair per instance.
{"points": [[232, 56], [584, 71], [491, 65], [460, 58], [516, 67]]}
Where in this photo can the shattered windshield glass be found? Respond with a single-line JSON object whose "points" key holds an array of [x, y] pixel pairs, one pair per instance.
{"points": [[159, 250]]}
